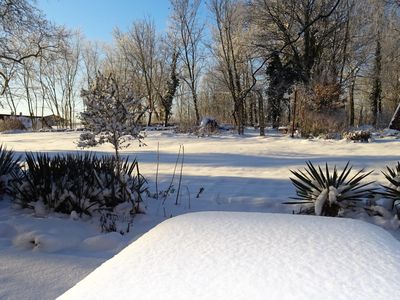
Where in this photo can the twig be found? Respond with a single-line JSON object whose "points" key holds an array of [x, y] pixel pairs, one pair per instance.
{"points": [[173, 176], [180, 175], [187, 189], [158, 164]]}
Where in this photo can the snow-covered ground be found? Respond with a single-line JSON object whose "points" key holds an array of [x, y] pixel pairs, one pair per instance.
{"points": [[225, 255], [40, 258]]}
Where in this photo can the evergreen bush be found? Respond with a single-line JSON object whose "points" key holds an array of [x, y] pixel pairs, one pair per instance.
{"points": [[76, 182], [327, 193]]}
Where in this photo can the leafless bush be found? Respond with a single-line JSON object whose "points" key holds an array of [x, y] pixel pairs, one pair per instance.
{"points": [[186, 127], [11, 124], [317, 124]]}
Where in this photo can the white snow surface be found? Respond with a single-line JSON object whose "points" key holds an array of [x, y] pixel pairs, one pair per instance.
{"points": [[225, 255], [43, 255]]}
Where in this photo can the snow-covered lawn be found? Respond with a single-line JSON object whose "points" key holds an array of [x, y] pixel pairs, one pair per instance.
{"points": [[40, 258], [225, 255]]}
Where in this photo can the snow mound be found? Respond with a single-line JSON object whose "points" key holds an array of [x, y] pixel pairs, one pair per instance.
{"points": [[222, 255], [105, 242], [44, 242]]}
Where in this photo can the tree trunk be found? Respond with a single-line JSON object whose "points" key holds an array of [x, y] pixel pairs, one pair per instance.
{"points": [[376, 94], [351, 102], [241, 117], [149, 119], [294, 112], [166, 119], [250, 112], [196, 108], [261, 119]]}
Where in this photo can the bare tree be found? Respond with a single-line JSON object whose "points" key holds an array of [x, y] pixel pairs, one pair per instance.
{"points": [[231, 51], [185, 21], [91, 61], [139, 48], [69, 68], [24, 34], [301, 30]]}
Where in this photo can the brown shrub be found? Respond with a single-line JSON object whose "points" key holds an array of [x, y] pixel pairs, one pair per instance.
{"points": [[326, 96], [315, 124], [11, 124]]}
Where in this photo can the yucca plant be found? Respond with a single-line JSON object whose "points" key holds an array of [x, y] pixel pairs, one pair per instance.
{"points": [[326, 192], [80, 183], [392, 190], [119, 186], [9, 166]]}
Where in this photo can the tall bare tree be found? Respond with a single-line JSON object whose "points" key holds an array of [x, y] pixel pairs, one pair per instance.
{"points": [[91, 61], [139, 48], [24, 34], [189, 31], [231, 39]]}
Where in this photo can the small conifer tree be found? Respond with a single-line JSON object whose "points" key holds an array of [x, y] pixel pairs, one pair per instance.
{"points": [[111, 115]]}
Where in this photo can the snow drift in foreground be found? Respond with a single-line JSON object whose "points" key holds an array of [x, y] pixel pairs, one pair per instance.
{"points": [[224, 255]]}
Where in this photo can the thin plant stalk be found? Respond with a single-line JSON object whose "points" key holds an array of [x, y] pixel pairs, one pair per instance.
{"points": [[173, 175], [158, 164], [180, 175], [187, 189]]}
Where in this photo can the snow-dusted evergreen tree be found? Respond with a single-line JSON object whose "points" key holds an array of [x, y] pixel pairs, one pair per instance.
{"points": [[281, 77], [111, 115], [171, 88]]}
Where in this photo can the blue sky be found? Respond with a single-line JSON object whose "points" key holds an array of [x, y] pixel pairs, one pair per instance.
{"points": [[96, 19]]}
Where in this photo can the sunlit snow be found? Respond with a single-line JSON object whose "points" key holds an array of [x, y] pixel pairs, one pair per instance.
{"points": [[220, 255], [48, 254]]}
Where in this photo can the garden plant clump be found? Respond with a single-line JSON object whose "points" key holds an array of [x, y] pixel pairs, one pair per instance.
{"points": [[79, 184], [327, 193], [358, 136]]}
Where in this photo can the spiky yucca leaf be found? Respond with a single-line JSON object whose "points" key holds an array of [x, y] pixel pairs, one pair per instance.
{"points": [[328, 191], [9, 166], [392, 190]]}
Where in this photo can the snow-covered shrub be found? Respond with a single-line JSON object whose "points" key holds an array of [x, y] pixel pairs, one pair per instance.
{"points": [[87, 139], [111, 115], [392, 189], [358, 135], [84, 184], [209, 122], [327, 193], [329, 136], [208, 125], [9, 167]]}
